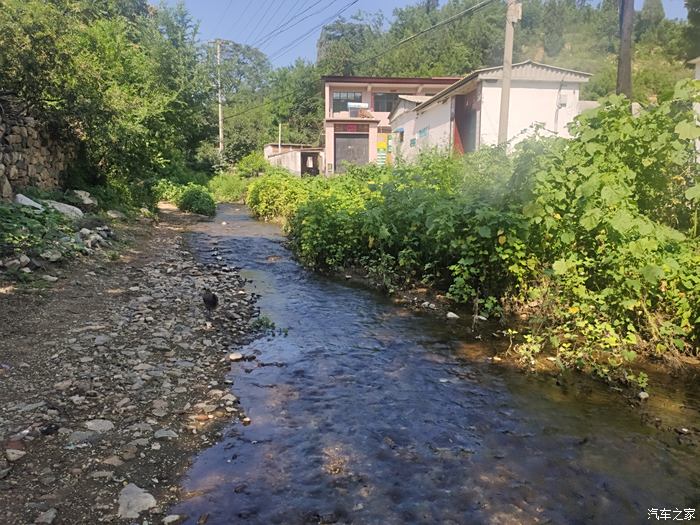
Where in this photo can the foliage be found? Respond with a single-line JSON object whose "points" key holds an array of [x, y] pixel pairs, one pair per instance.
{"points": [[595, 239], [26, 230], [124, 81], [228, 187], [252, 164], [196, 199]]}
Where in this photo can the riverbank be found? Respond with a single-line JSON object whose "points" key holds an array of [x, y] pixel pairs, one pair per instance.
{"points": [[113, 377]]}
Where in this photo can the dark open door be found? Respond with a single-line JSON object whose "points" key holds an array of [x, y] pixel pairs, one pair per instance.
{"points": [[465, 124], [352, 148]]}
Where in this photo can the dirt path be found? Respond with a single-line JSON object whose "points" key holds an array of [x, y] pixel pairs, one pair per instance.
{"points": [[112, 378]]}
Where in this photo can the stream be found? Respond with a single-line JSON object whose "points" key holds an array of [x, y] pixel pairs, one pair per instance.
{"points": [[365, 412]]}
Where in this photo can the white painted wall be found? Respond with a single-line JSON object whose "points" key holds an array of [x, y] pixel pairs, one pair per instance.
{"points": [[290, 160], [436, 123], [530, 103]]}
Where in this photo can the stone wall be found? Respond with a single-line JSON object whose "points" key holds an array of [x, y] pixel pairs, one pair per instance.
{"points": [[30, 156]]}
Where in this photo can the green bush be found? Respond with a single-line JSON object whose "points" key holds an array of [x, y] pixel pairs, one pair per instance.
{"points": [[228, 187], [252, 164], [593, 239], [196, 199]]}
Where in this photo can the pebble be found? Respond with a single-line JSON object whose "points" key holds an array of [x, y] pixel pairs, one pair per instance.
{"points": [[165, 433], [452, 315], [47, 518], [133, 500], [643, 396], [99, 425], [173, 519], [14, 454], [235, 356]]}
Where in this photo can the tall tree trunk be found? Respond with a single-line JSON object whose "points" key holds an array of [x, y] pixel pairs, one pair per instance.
{"points": [[624, 61]]}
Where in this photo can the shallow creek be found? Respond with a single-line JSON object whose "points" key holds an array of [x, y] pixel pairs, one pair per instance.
{"points": [[365, 412]]}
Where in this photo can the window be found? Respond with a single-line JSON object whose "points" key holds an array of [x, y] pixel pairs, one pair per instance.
{"points": [[385, 102], [341, 99]]}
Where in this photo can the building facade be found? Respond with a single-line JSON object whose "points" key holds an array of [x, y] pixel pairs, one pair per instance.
{"points": [[357, 112], [464, 116]]}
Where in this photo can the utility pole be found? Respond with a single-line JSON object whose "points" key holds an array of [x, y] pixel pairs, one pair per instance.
{"points": [[624, 60], [221, 97], [514, 12]]}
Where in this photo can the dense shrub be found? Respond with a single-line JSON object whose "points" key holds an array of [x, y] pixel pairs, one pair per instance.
{"points": [[594, 238], [252, 165], [228, 187], [196, 199]]}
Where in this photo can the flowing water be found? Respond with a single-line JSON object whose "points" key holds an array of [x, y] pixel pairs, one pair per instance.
{"points": [[364, 412]]}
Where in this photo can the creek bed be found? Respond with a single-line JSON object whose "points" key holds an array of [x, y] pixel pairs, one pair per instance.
{"points": [[365, 412]]}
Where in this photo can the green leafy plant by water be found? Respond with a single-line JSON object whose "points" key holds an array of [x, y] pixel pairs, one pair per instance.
{"points": [[594, 240]]}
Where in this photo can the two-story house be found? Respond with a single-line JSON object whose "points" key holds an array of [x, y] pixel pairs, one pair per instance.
{"points": [[357, 112]]}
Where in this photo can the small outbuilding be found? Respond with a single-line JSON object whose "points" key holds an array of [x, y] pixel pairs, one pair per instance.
{"points": [[301, 159], [464, 116]]}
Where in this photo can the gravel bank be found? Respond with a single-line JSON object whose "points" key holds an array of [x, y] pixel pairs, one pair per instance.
{"points": [[111, 379]]}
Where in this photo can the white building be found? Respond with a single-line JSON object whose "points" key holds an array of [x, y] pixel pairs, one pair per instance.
{"points": [[464, 116]]}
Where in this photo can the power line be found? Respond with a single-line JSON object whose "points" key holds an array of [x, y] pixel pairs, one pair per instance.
{"points": [[267, 21], [225, 11], [223, 15], [469, 10], [299, 21], [289, 47], [255, 27], [285, 19]]}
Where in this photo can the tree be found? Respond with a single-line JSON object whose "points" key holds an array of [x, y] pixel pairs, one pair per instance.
{"points": [[649, 19]]}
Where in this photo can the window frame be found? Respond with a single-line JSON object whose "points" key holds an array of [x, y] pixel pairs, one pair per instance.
{"points": [[340, 99], [380, 94]]}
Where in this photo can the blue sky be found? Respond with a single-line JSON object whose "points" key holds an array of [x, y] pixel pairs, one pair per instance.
{"points": [[249, 20]]}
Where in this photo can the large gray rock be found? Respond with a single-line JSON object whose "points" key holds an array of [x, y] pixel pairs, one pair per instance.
{"points": [[26, 201], [133, 500], [85, 197], [66, 209]]}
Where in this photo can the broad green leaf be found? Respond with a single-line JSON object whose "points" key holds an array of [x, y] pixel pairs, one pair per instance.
{"points": [[484, 231], [687, 130], [591, 219], [693, 193], [560, 267], [652, 273], [622, 221]]}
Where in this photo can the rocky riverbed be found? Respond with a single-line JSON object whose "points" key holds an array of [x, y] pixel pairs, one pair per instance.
{"points": [[112, 378]]}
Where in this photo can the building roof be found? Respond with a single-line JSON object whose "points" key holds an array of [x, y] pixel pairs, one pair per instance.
{"points": [[416, 98], [390, 80], [412, 99], [696, 60], [289, 144], [528, 70]]}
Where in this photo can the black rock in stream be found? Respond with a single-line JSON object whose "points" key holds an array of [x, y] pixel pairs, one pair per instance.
{"points": [[374, 414]]}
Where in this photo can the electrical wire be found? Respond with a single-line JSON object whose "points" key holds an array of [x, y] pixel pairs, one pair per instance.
{"points": [[469, 10], [299, 21], [267, 22], [291, 45]]}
